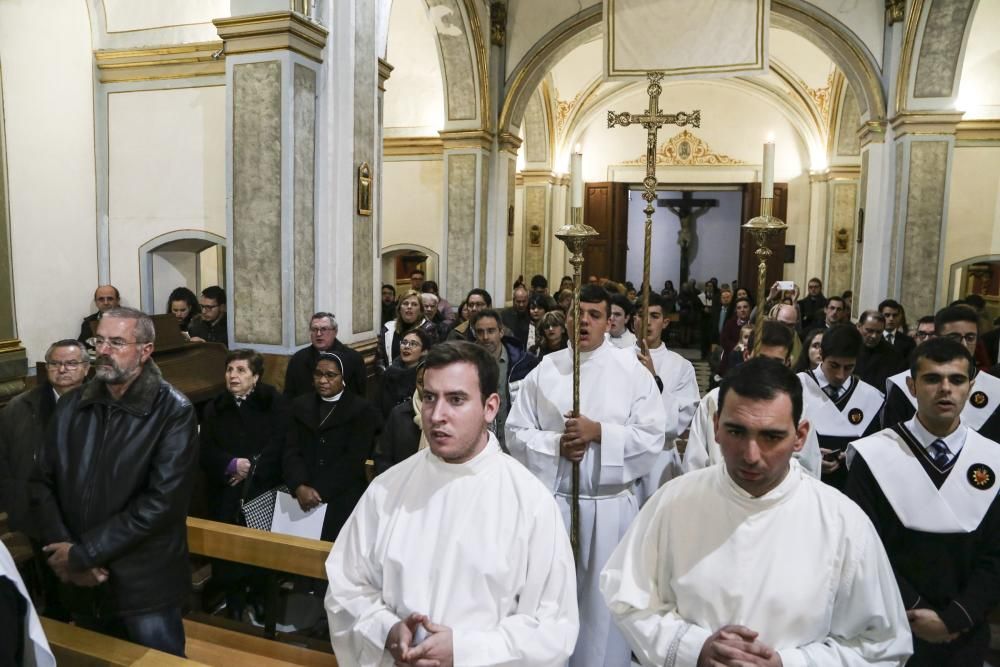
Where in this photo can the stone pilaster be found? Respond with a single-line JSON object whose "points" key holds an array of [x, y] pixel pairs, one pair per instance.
{"points": [[466, 183], [922, 156], [13, 359], [842, 193], [502, 196], [538, 218], [272, 68]]}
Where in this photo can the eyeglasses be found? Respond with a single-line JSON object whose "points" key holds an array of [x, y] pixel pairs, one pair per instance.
{"points": [[923, 334], [205, 306], [410, 343], [68, 365], [328, 375], [116, 344], [320, 330], [968, 338]]}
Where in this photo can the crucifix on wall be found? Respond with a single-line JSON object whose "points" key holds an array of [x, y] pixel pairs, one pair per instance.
{"points": [[688, 210]]}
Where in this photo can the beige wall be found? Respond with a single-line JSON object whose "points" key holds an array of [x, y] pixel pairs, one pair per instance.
{"points": [[45, 56], [973, 219], [414, 204]]}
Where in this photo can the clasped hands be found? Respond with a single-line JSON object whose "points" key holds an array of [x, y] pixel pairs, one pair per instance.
{"points": [[436, 650], [59, 562], [736, 645], [241, 473], [580, 431], [926, 624]]}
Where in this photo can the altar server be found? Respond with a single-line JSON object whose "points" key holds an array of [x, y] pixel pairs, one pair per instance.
{"points": [[929, 486], [617, 439], [752, 561], [981, 413], [674, 376], [456, 555], [841, 406], [776, 341]]}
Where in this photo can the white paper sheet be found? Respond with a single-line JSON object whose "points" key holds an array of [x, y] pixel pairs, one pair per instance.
{"points": [[289, 519]]}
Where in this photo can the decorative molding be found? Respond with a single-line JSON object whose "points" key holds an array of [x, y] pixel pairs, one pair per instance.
{"points": [[407, 146], [467, 139], [895, 11], [538, 177], [822, 96], [384, 70], [686, 149], [510, 142], [906, 56], [273, 31], [872, 132], [976, 131], [164, 62], [564, 108], [498, 23], [925, 123]]}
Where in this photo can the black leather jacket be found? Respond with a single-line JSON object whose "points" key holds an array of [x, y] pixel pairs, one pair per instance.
{"points": [[114, 478]]}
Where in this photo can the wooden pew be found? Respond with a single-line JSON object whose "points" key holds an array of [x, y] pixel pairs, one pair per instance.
{"points": [[76, 647]]}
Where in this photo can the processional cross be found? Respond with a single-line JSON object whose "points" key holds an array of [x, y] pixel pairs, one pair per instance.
{"points": [[687, 239], [653, 119]]}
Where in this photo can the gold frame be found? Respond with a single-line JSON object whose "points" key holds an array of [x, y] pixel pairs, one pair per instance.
{"points": [[364, 189]]}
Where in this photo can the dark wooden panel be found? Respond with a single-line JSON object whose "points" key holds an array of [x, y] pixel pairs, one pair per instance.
{"points": [[605, 208], [776, 242]]}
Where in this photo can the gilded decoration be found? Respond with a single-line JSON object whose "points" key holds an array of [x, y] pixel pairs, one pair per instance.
{"points": [[563, 110], [821, 96], [686, 149]]}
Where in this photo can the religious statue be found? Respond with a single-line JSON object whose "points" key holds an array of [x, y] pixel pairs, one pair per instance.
{"points": [[688, 210]]}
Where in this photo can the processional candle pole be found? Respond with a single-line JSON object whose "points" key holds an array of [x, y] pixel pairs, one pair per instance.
{"points": [[576, 235], [761, 227]]}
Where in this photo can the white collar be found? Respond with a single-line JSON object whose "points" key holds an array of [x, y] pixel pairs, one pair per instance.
{"points": [[824, 382], [332, 399], [954, 441]]}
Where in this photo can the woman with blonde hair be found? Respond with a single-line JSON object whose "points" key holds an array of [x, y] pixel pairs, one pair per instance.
{"points": [[409, 316], [550, 333]]}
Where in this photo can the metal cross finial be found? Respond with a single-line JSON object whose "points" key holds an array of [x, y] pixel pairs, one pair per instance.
{"points": [[652, 120]]}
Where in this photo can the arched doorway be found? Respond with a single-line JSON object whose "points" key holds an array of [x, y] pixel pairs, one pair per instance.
{"points": [[399, 261], [185, 258]]}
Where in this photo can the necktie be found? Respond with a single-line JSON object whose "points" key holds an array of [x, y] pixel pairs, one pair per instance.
{"points": [[831, 391], [940, 454], [888, 337]]}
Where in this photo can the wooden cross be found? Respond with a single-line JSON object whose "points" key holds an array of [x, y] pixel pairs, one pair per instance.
{"points": [[653, 119], [687, 209]]}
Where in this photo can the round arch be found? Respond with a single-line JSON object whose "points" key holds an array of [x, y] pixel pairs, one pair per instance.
{"points": [[190, 241], [955, 274]]}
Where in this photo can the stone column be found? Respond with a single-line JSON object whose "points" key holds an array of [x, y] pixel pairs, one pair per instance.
{"points": [[272, 67], [13, 358], [871, 280], [841, 228], [466, 183], [502, 194], [539, 225], [922, 155], [818, 244]]}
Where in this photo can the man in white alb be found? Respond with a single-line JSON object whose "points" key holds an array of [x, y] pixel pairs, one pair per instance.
{"points": [[457, 555], [776, 342], [674, 375], [752, 561], [621, 313], [617, 439]]}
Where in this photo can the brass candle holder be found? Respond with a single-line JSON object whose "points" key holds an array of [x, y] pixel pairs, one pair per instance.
{"points": [[761, 228]]}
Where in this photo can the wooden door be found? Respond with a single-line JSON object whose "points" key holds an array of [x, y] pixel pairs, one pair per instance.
{"points": [[605, 208], [776, 241]]}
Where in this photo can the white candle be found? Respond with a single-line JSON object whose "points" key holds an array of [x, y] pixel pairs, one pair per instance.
{"points": [[576, 169], [767, 190]]}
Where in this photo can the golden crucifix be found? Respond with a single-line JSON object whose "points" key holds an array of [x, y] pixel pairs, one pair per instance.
{"points": [[652, 120]]}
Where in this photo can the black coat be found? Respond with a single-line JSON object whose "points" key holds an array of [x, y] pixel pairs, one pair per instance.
{"points": [[399, 440], [331, 457], [299, 378], [876, 365], [115, 479], [22, 432], [255, 429], [396, 386]]}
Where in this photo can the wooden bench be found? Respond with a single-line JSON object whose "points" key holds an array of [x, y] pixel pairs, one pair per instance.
{"points": [[76, 647]]}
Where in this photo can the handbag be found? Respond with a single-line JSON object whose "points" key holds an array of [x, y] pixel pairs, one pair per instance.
{"points": [[258, 512]]}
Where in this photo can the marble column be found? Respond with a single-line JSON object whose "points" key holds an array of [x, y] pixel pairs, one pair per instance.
{"points": [[272, 68], [500, 264], [922, 156], [13, 358], [466, 184], [817, 245], [538, 222], [841, 227], [871, 280]]}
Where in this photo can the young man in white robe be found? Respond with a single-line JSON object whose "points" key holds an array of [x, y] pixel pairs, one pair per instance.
{"points": [[777, 342], [622, 311], [752, 561], [982, 410], [674, 376], [457, 555], [929, 486], [841, 406], [616, 439]]}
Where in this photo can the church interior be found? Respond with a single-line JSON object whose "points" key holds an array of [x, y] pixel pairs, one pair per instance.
{"points": [[301, 154]]}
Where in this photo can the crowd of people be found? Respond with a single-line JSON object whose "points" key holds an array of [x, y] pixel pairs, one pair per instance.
{"points": [[831, 498]]}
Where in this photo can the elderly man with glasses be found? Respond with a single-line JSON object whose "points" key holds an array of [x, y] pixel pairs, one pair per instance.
{"points": [[112, 486], [323, 338]]}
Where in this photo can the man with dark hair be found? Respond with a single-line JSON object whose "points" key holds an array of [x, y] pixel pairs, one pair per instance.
{"points": [[515, 318], [622, 311], [323, 330], [513, 361], [675, 377], [539, 284], [842, 406], [929, 486], [754, 562], [812, 305], [981, 413], [834, 312], [776, 341], [616, 439], [924, 331], [477, 299], [388, 303], [878, 360], [895, 328], [211, 325], [730, 335], [416, 280], [112, 488], [106, 297], [455, 555]]}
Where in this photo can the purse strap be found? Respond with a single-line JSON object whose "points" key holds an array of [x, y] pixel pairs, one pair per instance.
{"points": [[247, 482]]}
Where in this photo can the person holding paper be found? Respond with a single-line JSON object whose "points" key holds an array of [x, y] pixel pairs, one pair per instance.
{"points": [[331, 435], [457, 555]]}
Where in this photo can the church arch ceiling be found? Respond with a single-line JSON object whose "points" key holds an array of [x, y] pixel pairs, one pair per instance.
{"points": [[839, 44], [945, 30], [462, 52]]}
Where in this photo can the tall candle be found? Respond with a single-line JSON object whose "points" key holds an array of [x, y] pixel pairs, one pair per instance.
{"points": [[576, 169], [767, 190]]}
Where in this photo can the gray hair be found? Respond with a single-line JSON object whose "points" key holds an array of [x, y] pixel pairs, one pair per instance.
{"points": [[67, 342], [430, 296], [323, 315], [145, 332]]}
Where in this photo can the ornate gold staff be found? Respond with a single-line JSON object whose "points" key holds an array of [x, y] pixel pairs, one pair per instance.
{"points": [[576, 235], [761, 227]]}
